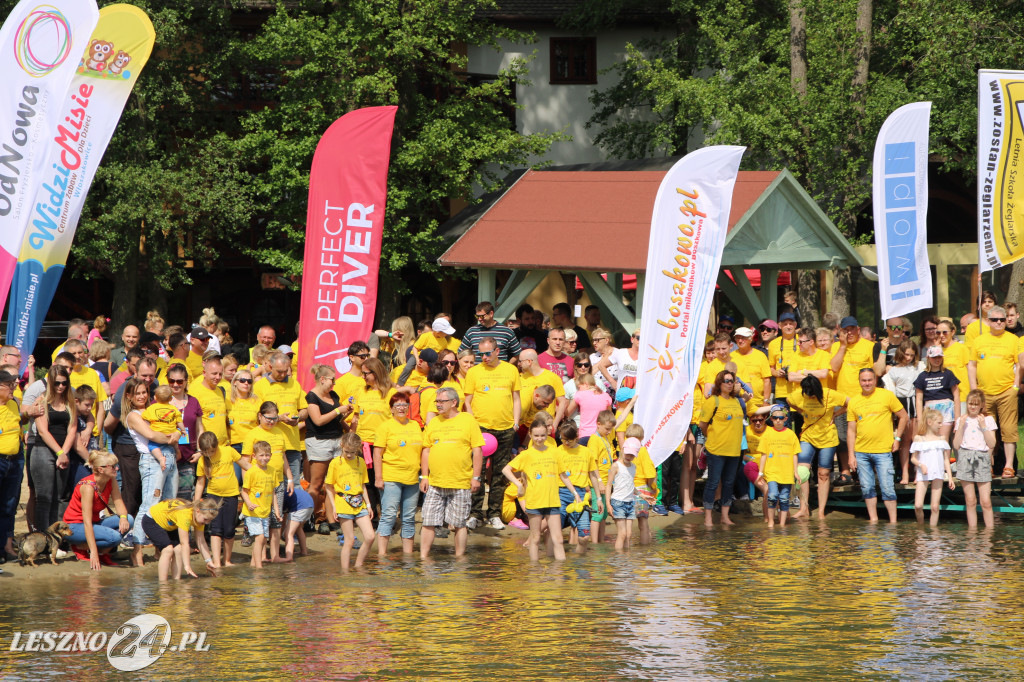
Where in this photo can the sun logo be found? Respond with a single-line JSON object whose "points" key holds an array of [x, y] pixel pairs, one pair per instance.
{"points": [[666, 359]]}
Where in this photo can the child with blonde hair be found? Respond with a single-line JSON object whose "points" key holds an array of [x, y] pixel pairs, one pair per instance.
{"points": [[163, 417], [346, 483], [974, 438], [929, 454], [167, 525], [259, 500]]}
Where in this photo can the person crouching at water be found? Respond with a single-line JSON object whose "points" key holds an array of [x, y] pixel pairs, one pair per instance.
{"points": [[215, 476], [346, 483], [778, 448], [167, 524], [929, 453], [90, 538]]}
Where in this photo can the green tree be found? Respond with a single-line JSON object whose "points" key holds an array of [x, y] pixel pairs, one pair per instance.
{"points": [[806, 84]]}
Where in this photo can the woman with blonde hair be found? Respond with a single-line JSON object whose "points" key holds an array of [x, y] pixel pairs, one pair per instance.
{"points": [[467, 358], [603, 348], [325, 422], [590, 401], [154, 323], [393, 347], [167, 525], [93, 539]]}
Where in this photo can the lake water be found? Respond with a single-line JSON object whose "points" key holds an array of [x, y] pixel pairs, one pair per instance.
{"points": [[811, 601]]}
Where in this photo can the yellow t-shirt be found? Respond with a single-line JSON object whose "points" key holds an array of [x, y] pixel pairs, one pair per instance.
{"points": [[540, 468], [621, 428], [955, 359], [290, 399], [243, 416], [528, 383], [819, 359], [277, 443], [402, 443], [214, 407], [416, 379], [170, 515], [428, 398], [451, 441], [348, 476], [10, 428], [295, 357], [549, 442], [346, 386], [259, 484], [604, 455], [819, 428], [858, 356], [644, 469], [753, 440], [781, 353], [194, 365], [161, 374], [428, 340], [222, 481], [87, 376], [372, 410], [492, 388], [996, 357], [725, 430], [577, 463], [753, 368], [710, 370], [780, 448], [974, 331], [162, 417], [873, 416]]}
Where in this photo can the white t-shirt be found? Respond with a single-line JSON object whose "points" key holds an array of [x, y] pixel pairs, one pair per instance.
{"points": [[625, 367]]}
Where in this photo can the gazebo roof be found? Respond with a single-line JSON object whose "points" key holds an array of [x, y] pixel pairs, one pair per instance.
{"points": [[586, 218]]}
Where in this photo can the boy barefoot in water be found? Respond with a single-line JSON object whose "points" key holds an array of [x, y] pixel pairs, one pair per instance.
{"points": [[299, 508], [779, 448], [258, 500], [620, 493]]}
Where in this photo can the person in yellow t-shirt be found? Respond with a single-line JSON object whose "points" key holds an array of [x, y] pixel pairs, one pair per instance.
{"points": [[215, 476], [243, 409], [994, 369], [270, 432], [347, 384], [850, 354], [752, 367], [782, 350], [778, 449], [756, 428], [450, 466], [532, 376], [722, 347], [439, 338], [982, 326], [870, 441], [212, 399], [810, 361], [259, 499], [819, 438], [397, 447], [579, 464], [346, 482], [83, 375], [602, 444], [721, 422], [955, 356], [167, 524], [541, 467], [284, 391], [199, 342]]}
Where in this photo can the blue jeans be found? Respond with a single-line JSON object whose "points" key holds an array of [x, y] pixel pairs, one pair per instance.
{"points": [[395, 495], [11, 473], [106, 533], [826, 456], [778, 495], [872, 464], [720, 469], [154, 478], [294, 458]]}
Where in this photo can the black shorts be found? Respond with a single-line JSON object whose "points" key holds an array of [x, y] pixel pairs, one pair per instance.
{"points": [[157, 535], [910, 405], [224, 525]]}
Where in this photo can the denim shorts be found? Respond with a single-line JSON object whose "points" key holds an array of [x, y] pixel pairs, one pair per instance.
{"points": [[623, 509], [543, 511], [258, 525], [353, 517], [579, 520], [872, 464], [826, 456]]}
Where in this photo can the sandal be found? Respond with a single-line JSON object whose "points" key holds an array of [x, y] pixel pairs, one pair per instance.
{"points": [[1009, 473], [843, 479]]}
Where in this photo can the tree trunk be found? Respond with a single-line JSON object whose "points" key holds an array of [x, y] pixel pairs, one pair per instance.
{"points": [[798, 48], [124, 309], [862, 55], [1016, 290], [808, 299], [841, 293]]}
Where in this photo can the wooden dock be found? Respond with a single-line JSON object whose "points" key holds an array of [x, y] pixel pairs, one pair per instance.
{"points": [[1007, 497]]}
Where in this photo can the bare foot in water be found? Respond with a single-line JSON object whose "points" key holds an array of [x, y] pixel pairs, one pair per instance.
{"points": [[228, 563], [282, 560]]}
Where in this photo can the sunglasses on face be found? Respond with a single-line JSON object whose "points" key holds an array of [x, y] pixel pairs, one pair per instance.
{"points": [[636, 336], [896, 328], [362, 356], [778, 417], [997, 319], [269, 419], [728, 381], [944, 332], [400, 406], [60, 383], [175, 382], [583, 364], [244, 381], [757, 420], [450, 363]]}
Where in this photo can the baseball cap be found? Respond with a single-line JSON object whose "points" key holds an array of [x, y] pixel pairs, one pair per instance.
{"points": [[428, 355], [285, 348], [935, 351], [771, 324], [150, 337], [6, 377], [443, 325], [624, 393], [787, 316], [744, 331], [848, 321], [200, 333], [726, 318], [631, 446]]}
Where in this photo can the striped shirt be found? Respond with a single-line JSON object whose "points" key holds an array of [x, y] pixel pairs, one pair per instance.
{"points": [[508, 344]]}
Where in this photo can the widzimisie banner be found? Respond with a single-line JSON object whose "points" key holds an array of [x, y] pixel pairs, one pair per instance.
{"points": [[900, 195], [110, 64], [39, 47], [688, 230], [1000, 162], [348, 187]]}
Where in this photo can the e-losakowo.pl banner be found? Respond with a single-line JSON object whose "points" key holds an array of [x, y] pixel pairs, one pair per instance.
{"points": [[1000, 164], [39, 46], [688, 230], [111, 62]]}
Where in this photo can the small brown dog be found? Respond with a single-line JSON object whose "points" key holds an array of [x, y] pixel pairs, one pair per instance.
{"points": [[31, 545]]}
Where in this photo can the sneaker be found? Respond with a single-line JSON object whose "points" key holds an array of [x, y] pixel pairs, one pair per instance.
{"points": [[356, 545], [516, 523], [472, 523], [676, 509], [660, 510], [323, 529], [441, 532], [335, 527], [247, 539], [496, 523], [62, 554], [107, 560]]}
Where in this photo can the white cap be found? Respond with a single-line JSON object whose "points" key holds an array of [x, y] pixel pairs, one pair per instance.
{"points": [[441, 324], [285, 348], [744, 331]]}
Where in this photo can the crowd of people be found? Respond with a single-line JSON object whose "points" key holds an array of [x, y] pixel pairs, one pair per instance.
{"points": [[179, 436]]}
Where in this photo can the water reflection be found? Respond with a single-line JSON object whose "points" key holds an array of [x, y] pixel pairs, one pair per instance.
{"points": [[807, 601]]}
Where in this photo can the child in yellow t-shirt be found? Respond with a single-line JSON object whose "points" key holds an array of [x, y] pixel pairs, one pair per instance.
{"points": [[601, 443], [779, 448], [163, 417], [346, 485], [579, 464], [259, 500], [646, 485], [215, 476]]}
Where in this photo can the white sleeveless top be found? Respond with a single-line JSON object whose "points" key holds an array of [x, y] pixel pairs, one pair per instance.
{"points": [[624, 483], [141, 442]]}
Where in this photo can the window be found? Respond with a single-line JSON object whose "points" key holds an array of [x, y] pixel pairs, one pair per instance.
{"points": [[573, 61]]}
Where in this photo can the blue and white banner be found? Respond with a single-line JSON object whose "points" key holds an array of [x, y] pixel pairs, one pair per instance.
{"points": [[900, 192], [684, 255]]}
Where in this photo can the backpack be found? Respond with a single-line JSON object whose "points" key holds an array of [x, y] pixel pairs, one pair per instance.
{"points": [[414, 407]]}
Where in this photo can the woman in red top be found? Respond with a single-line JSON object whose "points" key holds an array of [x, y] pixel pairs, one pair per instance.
{"points": [[93, 494]]}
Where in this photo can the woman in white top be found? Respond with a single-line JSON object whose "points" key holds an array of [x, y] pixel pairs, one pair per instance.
{"points": [[624, 361], [603, 348], [899, 378]]}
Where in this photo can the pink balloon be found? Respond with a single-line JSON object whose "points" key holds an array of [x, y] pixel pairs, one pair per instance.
{"points": [[490, 444]]}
